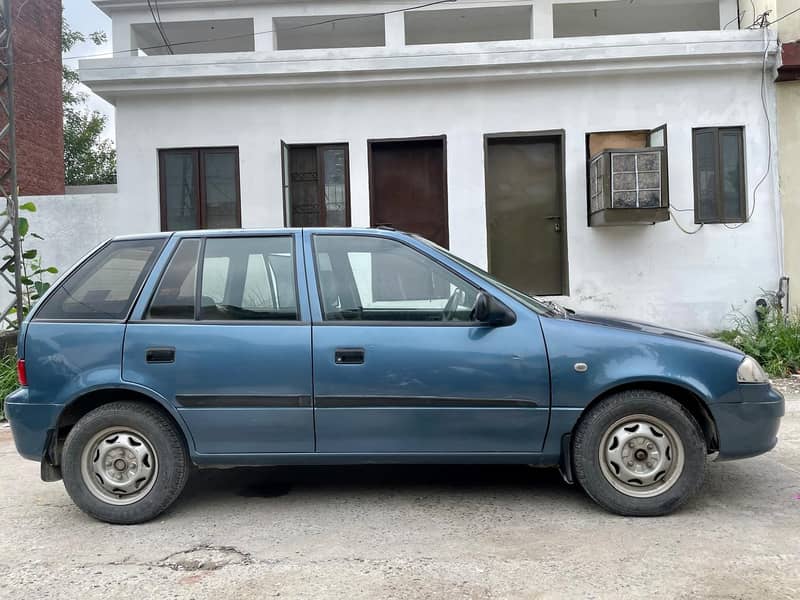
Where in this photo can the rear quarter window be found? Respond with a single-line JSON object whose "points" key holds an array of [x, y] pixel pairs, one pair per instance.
{"points": [[104, 286]]}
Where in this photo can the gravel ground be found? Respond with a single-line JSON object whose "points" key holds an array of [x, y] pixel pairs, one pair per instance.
{"points": [[408, 532]]}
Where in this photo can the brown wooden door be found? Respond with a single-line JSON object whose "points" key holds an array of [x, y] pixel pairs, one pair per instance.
{"points": [[524, 211], [408, 189]]}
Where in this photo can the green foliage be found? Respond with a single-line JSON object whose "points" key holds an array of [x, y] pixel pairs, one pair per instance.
{"points": [[33, 271], [89, 158], [773, 340], [8, 379]]}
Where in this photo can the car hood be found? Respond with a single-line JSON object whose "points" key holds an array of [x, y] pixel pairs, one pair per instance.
{"points": [[651, 329]]}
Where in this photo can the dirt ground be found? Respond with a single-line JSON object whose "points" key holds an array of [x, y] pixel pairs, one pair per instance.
{"points": [[408, 532]]}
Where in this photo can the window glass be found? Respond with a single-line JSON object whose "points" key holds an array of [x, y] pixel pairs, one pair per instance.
{"points": [[376, 279], [730, 153], [174, 298], [221, 191], [179, 190], [705, 160], [105, 285], [248, 279]]}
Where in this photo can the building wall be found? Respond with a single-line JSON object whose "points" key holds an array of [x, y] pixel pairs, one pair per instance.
{"points": [[647, 272], [37, 96], [97, 216]]}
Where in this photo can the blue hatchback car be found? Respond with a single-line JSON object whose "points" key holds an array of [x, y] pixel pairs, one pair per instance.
{"points": [[341, 346]]}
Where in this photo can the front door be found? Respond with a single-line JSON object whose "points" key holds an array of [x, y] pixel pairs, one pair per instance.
{"points": [[226, 339], [399, 366], [408, 189], [524, 211]]}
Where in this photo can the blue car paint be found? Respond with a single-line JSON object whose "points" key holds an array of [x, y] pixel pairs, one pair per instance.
{"points": [[532, 362]]}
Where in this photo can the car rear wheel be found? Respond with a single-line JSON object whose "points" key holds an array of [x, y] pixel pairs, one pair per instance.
{"points": [[639, 453], [124, 463]]}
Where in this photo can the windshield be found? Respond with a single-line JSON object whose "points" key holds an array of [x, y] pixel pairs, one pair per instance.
{"points": [[538, 305]]}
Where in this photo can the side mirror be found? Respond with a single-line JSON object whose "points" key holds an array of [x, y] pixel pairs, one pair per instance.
{"points": [[491, 311]]}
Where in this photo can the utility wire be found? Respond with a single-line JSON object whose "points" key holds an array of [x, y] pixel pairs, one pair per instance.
{"points": [[769, 135], [160, 29], [679, 226], [789, 14]]}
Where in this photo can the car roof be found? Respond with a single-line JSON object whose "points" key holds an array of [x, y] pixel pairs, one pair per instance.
{"points": [[257, 231]]}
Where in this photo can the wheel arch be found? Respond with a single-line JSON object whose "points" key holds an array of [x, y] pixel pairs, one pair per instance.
{"points": [[688, 398], [84, 403]]}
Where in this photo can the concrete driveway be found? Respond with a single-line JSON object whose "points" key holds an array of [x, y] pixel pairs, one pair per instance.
{"points": [[408, 532]]}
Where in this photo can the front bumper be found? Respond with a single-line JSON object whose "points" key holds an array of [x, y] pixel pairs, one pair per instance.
{"points": [[30, 423], [749, 427]]}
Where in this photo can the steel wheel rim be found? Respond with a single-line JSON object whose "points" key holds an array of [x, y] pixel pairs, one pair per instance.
{"points": [[641, 456], [119, 466]]}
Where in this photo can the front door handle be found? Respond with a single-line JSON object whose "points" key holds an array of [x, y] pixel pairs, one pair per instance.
{"points": [[160, 355], [349, 356]]}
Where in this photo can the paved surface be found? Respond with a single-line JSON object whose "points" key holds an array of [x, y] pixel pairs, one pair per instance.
{"points": [[408, 532]]}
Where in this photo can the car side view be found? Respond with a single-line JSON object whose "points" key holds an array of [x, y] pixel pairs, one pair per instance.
{"points": [[161, 352]]}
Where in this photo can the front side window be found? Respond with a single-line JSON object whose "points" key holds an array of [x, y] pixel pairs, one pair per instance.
{"points": [[105, 286], [241, 279], [199, 188], [719, 188], [315, 185], [364, 278]]}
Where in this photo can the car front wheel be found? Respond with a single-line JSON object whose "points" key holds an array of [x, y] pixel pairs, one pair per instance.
{"points": [[639, 453], [124, 463]]}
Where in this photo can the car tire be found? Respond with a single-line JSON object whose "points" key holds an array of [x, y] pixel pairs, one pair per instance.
{"points": [[124, 463], [639, 453]]}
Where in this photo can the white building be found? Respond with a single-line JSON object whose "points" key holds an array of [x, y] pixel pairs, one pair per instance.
{"points": [[472, 123]]}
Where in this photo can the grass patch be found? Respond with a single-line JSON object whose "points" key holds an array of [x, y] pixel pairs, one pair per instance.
{"points": [[8, 379], [774, 341]]}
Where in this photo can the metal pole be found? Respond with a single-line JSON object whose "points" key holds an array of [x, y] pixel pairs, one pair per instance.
{"points": [[8, 178]]}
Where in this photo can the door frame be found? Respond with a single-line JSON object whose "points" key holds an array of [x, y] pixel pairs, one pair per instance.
{"points": [[370, 173], [560, 182]]}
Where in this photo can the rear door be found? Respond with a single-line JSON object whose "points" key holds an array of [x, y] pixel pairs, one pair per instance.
{"points": [[224, 334]]}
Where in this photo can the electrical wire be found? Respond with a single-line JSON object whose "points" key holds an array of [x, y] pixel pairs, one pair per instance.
{"points": [[738, 17], [789, 14], [679, 226], [769, 134], [160, 29]]}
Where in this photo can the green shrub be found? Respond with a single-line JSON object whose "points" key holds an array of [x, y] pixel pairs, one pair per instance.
{"points": [[8, 379], [774, 340]]}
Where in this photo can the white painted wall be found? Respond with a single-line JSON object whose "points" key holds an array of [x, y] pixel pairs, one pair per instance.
{"points": [[74, 224]]}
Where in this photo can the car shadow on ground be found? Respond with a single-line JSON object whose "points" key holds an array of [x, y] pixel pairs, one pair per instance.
{"points": [[369, 480]]}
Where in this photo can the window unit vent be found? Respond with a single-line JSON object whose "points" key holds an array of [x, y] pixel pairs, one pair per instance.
{"points": [[628, 187]]}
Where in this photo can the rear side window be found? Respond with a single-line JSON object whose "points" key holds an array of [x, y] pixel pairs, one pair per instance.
{"points": [[105, 286], [241, 279]]}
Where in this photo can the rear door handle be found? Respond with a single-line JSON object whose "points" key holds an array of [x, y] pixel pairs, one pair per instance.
{"points": [[349, 356], [160, 355]]}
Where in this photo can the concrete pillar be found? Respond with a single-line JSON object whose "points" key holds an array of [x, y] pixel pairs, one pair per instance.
{"points": [[395, 31], [542, 26], [122, 38], [264, 42]]}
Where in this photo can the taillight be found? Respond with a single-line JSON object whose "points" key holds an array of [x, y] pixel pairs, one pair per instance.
{"points": [[21, 375]]}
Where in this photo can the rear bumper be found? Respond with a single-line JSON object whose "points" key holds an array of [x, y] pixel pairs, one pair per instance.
{"points": [[30, 423], [750, 427]]}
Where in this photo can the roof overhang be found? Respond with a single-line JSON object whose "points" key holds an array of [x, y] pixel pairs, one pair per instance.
{"points": [[703, 51]]}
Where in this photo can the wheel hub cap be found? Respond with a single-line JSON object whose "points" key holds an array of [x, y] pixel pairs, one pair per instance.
{"points": [[119, 466], [641, 456]]}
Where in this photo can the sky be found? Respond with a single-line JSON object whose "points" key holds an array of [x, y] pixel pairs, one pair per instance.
{"points": [[84, 16]]}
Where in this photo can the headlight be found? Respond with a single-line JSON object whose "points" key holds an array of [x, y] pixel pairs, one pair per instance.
{"points": [[751, 372]]}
